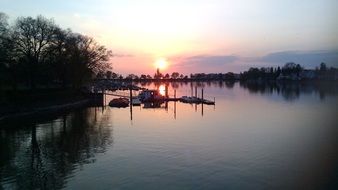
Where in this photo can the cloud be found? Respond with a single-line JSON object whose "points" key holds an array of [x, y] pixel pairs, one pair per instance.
{"points": [[207, 61], [223, 63], [305, 58]]}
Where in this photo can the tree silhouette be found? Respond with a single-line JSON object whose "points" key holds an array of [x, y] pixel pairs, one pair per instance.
{"points": [[31, 40], [175, 75], [37, 51]]}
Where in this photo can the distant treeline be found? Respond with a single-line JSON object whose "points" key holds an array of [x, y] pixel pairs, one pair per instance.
{"points": [[290, 71], [35, 52]]}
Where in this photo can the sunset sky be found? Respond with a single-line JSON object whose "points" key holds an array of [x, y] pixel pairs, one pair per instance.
{"points": [[198, 35]]}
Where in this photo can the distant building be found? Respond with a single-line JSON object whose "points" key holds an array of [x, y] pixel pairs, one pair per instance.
{"points": [[292, 76], [308, 75]]}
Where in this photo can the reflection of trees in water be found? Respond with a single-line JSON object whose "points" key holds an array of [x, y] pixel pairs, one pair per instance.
{"points": [[43, 156], [291, 91], [229, 84], [258, 87], [175, 85]]}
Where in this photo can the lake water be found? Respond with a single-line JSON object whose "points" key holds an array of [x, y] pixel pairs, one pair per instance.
{"points": [[256, 137]]}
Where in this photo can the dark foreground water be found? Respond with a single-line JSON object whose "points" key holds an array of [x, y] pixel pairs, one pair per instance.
{"points": [[256, 137]]}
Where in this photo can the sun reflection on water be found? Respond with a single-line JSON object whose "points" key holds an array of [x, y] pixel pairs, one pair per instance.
{"points": [[161, 89]]}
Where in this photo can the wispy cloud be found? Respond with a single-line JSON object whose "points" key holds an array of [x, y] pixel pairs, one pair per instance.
{"points": [[305, 58], [207, 60], [222, 63]]}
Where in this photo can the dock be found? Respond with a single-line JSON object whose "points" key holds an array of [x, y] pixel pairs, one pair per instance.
{"points": [[149, 96], [183, 99], [195, 100]]}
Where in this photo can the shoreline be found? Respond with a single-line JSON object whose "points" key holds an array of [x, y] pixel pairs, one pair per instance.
{"points": [[58, 104], [43, 111]]}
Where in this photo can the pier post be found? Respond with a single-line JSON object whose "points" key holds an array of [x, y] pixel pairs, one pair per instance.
{"points": [[104, 98], [131, 102], [202, 95], [130, 93], [214, 103], [174, 109], [175, 104], [202, 111]]}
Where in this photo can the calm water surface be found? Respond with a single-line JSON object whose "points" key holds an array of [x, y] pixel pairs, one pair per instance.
{"points": [[255, 137]]}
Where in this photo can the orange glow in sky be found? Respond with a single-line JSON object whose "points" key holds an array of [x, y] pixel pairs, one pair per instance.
{"points": [[195, 36]]}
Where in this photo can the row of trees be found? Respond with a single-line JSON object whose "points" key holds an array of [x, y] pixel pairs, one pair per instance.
{"points": [[288, 71], [270, 73], [36, 52], [157, 75]]}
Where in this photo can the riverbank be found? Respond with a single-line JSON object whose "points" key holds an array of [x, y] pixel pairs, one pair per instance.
{"points": [[25, 104], [43, 111]]}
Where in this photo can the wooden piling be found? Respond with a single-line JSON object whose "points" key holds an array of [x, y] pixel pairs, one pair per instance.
{"points": [[104, 98], [202, 95], [175, 104], [131, 102]]}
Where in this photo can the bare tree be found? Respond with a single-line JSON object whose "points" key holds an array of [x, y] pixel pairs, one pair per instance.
{"points": [[31, 37], [38, 50], [7, 68], [86, 58]]}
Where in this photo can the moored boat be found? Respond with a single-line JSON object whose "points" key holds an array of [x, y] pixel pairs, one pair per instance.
{"points": [[150, 96], [135, 101], [189, 99], [195, 100], [119, 103]]}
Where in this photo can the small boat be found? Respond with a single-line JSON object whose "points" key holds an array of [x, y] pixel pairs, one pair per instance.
{"points": [[135, 101], [119, 103], [195, 100], [150, 96], [208, 102], [188, 99]]}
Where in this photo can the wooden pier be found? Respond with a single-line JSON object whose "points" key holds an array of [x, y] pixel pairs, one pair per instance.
{"points": [[101, 96]]}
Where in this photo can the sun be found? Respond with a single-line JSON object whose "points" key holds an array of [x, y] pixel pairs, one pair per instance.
{"points": [[161, 64]]}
